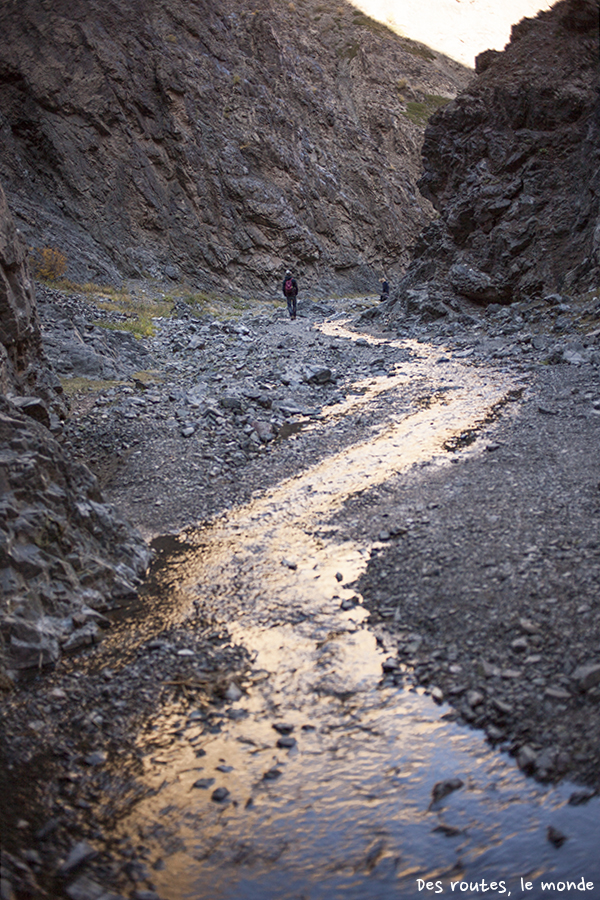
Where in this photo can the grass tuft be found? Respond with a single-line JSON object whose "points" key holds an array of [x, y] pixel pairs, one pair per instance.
{"points": [[419, 112], [418, 50], [75, 386]]}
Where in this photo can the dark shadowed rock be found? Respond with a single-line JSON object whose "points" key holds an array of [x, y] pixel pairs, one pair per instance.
{"points": [[513, 168], [213, 141], [62, 549]]}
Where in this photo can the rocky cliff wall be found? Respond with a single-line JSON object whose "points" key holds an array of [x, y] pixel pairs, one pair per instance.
{"points": [[512, 167], [214, 141], [25, 374], [65, 555], [20, 338]]}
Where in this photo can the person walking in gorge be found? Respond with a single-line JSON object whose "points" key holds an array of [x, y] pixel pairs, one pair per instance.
{"points": [[290, 292]]}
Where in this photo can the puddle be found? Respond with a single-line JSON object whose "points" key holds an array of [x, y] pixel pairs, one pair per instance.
{"points": [[324, 778]]}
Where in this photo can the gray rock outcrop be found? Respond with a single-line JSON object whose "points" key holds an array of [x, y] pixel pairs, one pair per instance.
{"points": [[65, 555], [20, 338], [513, 168], [214, 142]]}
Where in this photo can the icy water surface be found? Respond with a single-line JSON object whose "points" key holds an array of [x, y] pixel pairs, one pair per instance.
{"points": [[326, 775]]}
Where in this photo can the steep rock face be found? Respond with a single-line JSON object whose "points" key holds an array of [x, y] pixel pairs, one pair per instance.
{"points": [[24, 372], [513, 169], [64, 554], [20, 338], [215, 141]]}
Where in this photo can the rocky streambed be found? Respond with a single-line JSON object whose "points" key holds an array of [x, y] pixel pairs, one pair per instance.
{"points": [[364, 540]]}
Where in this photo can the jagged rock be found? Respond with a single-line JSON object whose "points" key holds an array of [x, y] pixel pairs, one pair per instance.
{"points": [[586, 677], [512, 167], [78, 854], [84, 637], [442, 789], [61, 546], [34, 407], [217, 142], [264, 430], [317, 374]]}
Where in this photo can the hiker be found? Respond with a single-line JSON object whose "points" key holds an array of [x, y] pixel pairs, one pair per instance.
{"points": [[385, 290], [290, 292]]}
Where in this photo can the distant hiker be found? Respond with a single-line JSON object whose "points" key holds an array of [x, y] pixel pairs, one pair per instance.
{"points": [[385, 290], [290, 292]]}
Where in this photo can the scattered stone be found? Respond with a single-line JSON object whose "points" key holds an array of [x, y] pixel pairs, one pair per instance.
{"points": [[527, 758], [390, 665], [487, 669], [87, 889], [97, 758], [528, 626], [587, 676], [219, 795], [204, 783], [443, 788], [286, 742], [232, 403], [578, 798], [83, 637], [317, 374], [264, 430], [349, 603], [557, 693], [233, 692], [555, 836], [448, 830], [474, 698], [82, 852], [289, 564], [520, 645], [283, 728]]}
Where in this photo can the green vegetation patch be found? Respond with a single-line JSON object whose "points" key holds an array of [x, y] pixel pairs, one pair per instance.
{"points": [[220, 306], [76, 386], [363, 21], [140, 312], [349, 51], [418, 50], [419, 112]]}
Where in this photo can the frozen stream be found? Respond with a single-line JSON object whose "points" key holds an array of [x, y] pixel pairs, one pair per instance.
{"points": [[326, 775]]}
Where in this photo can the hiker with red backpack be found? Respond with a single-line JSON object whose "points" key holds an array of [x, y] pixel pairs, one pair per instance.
{"points": [[290, 292]]}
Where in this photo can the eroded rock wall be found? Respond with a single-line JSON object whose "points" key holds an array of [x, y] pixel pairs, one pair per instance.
{"points": [[512, 167], [20, 338], [65, 556], [214, 141]]}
